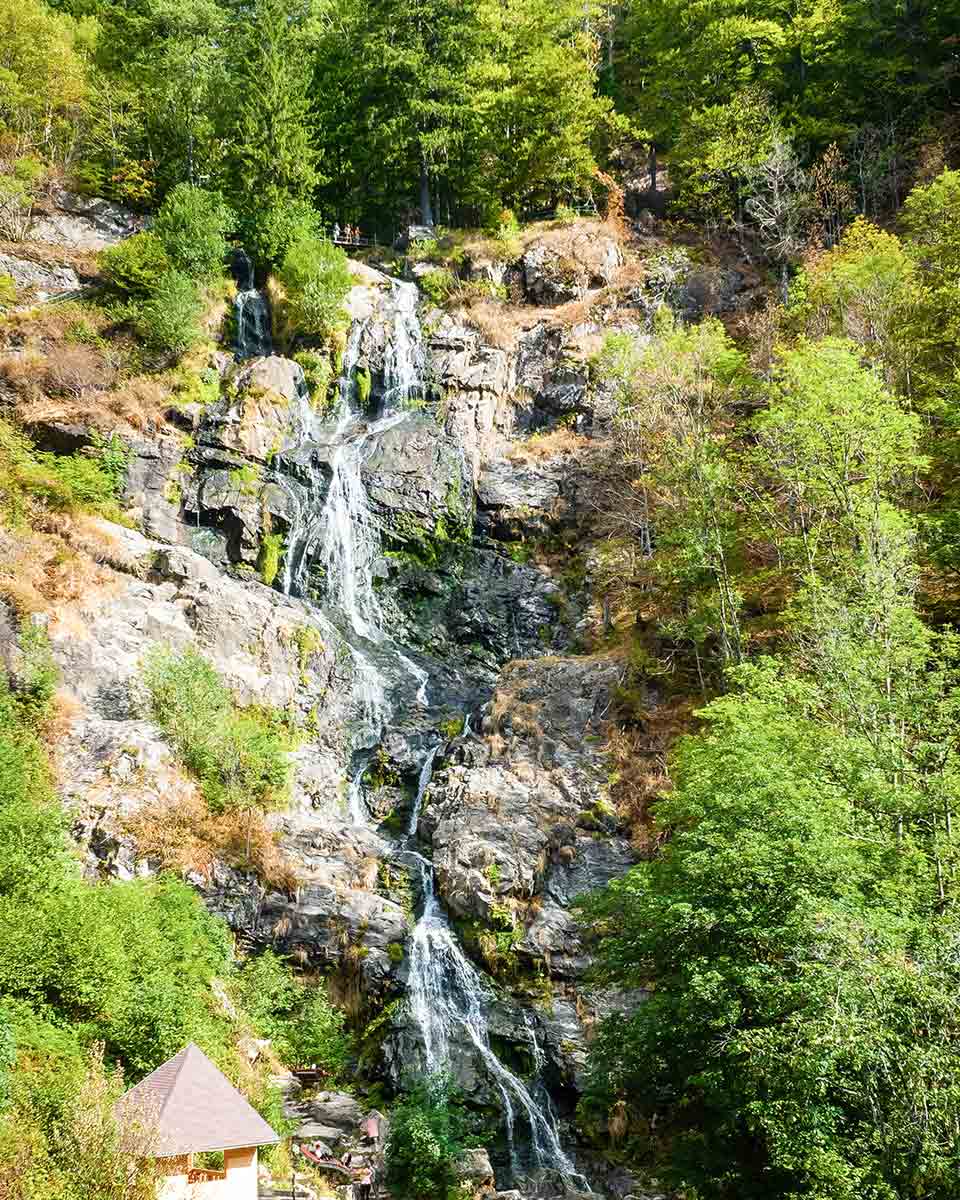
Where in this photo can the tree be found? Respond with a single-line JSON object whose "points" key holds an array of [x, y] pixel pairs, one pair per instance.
{"points": [[675, 485], [803, 1003], [778, 207], [315, 281], [191, 224], [424, 1144], [271, 159]]}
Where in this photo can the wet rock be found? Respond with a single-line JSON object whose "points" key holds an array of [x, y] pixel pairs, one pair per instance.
{"points": [[496, 825], [417, 482]]}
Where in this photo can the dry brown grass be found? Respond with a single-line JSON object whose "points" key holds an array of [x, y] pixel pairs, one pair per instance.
{"points": [[541, 446], [67, 362], [185, 836], [56, 561], [500, 324]]}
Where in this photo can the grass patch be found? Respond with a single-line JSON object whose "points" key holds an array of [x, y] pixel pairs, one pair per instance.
{"points": [[239, 756]]}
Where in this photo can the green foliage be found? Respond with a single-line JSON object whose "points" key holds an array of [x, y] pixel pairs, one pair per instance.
{"points": [[134, 267], [169, 320], [271, 550], [424, 1144], [8, 1056], [237, 755], [364, 386], [318, 375], [297, 1015], [316, 282], [65, 483], [437, 285], [8, 292], [191, 224], [787, 928]]}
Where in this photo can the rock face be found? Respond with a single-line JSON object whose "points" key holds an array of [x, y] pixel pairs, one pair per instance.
{"points": [[40, 279], [525, 800], [475, 626], [86, 223]]}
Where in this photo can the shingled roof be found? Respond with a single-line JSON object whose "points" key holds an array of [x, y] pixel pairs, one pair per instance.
{"points": [[191, 1107]]}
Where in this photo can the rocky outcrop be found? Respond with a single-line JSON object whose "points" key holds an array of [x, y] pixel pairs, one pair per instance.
{"points": [[85, 223], [523, 802], [417, 483], [563, 265], [40, 280]]}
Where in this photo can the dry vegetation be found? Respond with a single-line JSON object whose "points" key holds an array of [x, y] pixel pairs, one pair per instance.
{"points": [[66, 362], [185, 836], [57, 559]]}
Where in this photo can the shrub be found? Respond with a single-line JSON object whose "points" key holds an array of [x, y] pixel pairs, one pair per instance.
{"points": [[192, 224], [134, 267], [8, 292], [424, 1144], [275, 225], [316, 280], [238, 756], [437, 285], [565, 214], [318, 375], [169, 320], [297, 1016]]}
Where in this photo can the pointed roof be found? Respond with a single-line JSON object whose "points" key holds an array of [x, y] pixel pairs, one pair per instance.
{"points": [[190, 1107]]}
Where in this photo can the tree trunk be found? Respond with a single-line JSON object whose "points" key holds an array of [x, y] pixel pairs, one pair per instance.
{"points": [[426, 210], [652, 166]]}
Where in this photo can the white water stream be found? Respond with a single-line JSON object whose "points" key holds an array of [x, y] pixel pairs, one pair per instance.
{"points": [[448, 1000], [448, 996]]}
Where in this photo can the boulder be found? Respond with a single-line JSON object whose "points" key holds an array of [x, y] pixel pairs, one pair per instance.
{"points": [[266, 410], [86, 223], [475, 1170]]}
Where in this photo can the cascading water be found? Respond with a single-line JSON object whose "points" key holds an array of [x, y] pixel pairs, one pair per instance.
{"points": [[404, 360], [447, 994], [252, 312], [448, 1000]]}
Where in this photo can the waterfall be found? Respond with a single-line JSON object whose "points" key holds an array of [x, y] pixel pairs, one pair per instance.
{"points": [[448, 999], [355, 800], [252, 312], [404, 360]]}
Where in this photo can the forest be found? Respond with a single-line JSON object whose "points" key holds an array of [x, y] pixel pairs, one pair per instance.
{"points": [[774, 545]]}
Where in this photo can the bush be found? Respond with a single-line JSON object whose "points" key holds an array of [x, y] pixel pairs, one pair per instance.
{"points": [[238, 756], [8, 292], [275, 225], [424, 1144], [317, 375], [271, 549], [297, 1016], [134, 267], [169, 320], [192, 224], [316, 280], [437, 285], [565, 214]]}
